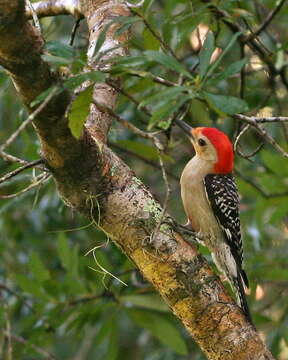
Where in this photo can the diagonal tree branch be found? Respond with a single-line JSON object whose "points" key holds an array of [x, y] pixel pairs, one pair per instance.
{"points": [[54, 8], [266, 22], [94, 181]]}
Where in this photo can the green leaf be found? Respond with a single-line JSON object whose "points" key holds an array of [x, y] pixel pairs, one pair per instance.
{"points": [[45, 94], [146, 151], [75, 81], [79, 111], [224, 52], [128, 61], [113, 343], [70, 84], [167, 61], [37, 268], [229, 71], [150, 42], [30, 286], [160, 327], [56, 60], [206, 53], [64, 250], [226, 104], [153, 302], [159, 117], [126, 22], [60, 49], [165, 96]]}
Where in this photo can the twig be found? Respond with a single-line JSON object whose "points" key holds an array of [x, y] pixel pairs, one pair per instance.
{"points": [[151, 136], [256, 119], [30, 118], [251, 31], [242, 73], [143, 159], [11, 158], [266, 22], [167, 195], [254, 152], [39, 179], [148, 75], [130, 97], [8, 334], [262, 132], [236, 148], [20, 169], [74, 30], [23, 341], [34, 16], [14, 293], [131, 5], [253, 45], [53, 8], [241, 133], [157, 36]]}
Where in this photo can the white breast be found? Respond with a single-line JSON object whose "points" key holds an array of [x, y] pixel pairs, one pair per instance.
{"points": [[195, 202]]}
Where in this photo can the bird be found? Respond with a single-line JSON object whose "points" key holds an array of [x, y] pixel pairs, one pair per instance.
{"points": [[211, 203]]}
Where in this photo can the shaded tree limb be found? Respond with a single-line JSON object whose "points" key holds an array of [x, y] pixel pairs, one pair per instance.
{"points": [[53, 8], [266, 22], [38, 349], [13, 173], [94, 181]]}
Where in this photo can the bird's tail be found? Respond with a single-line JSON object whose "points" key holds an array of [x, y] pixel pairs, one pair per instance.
{"points": [[240, 283]]}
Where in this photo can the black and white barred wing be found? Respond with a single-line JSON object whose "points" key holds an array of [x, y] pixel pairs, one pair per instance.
{"points": [[223, 197]]}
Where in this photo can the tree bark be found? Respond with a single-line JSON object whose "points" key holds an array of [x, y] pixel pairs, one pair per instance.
{"points": [[92, 180]]}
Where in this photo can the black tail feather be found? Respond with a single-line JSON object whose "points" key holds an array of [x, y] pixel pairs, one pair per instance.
{"points": [[241, 297]]}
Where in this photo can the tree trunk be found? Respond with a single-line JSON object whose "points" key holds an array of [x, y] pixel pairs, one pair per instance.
{"points": [[91, 179]]}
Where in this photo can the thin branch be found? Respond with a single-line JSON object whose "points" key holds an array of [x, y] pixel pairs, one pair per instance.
{"points": [[74, 30], [167, 194], [262, 132], [253, 44], [157, 36], [143, 159], [20, 169], [147, 75], [23, 341], [150, 136], [39, 180], [237, 140], [266, 22], [54, 8], [14, 293], [34, 15], [12, 159], [8, 334], [236, 143], [29, 119], [131, 5], [129, 96], [257, 119]]}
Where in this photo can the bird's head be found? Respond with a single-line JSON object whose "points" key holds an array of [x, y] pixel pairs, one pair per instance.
{"points": [[211, 145]]}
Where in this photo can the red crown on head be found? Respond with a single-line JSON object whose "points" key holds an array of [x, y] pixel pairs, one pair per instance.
{"points": [[223, 147]]}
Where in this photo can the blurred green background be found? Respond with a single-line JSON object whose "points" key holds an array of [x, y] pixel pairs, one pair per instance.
{"points": [[55, 297]]}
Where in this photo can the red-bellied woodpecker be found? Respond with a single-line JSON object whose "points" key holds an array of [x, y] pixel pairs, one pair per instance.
{"points": [[211, 203]]}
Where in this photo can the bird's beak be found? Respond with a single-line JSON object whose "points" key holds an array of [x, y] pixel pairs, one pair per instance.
{"points": [[186, 128]]}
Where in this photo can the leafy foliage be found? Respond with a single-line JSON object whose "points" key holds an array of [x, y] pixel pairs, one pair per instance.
{"points": [[50, 295]]}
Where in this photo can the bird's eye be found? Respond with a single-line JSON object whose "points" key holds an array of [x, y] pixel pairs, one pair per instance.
{"points": [[201, 142]]}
